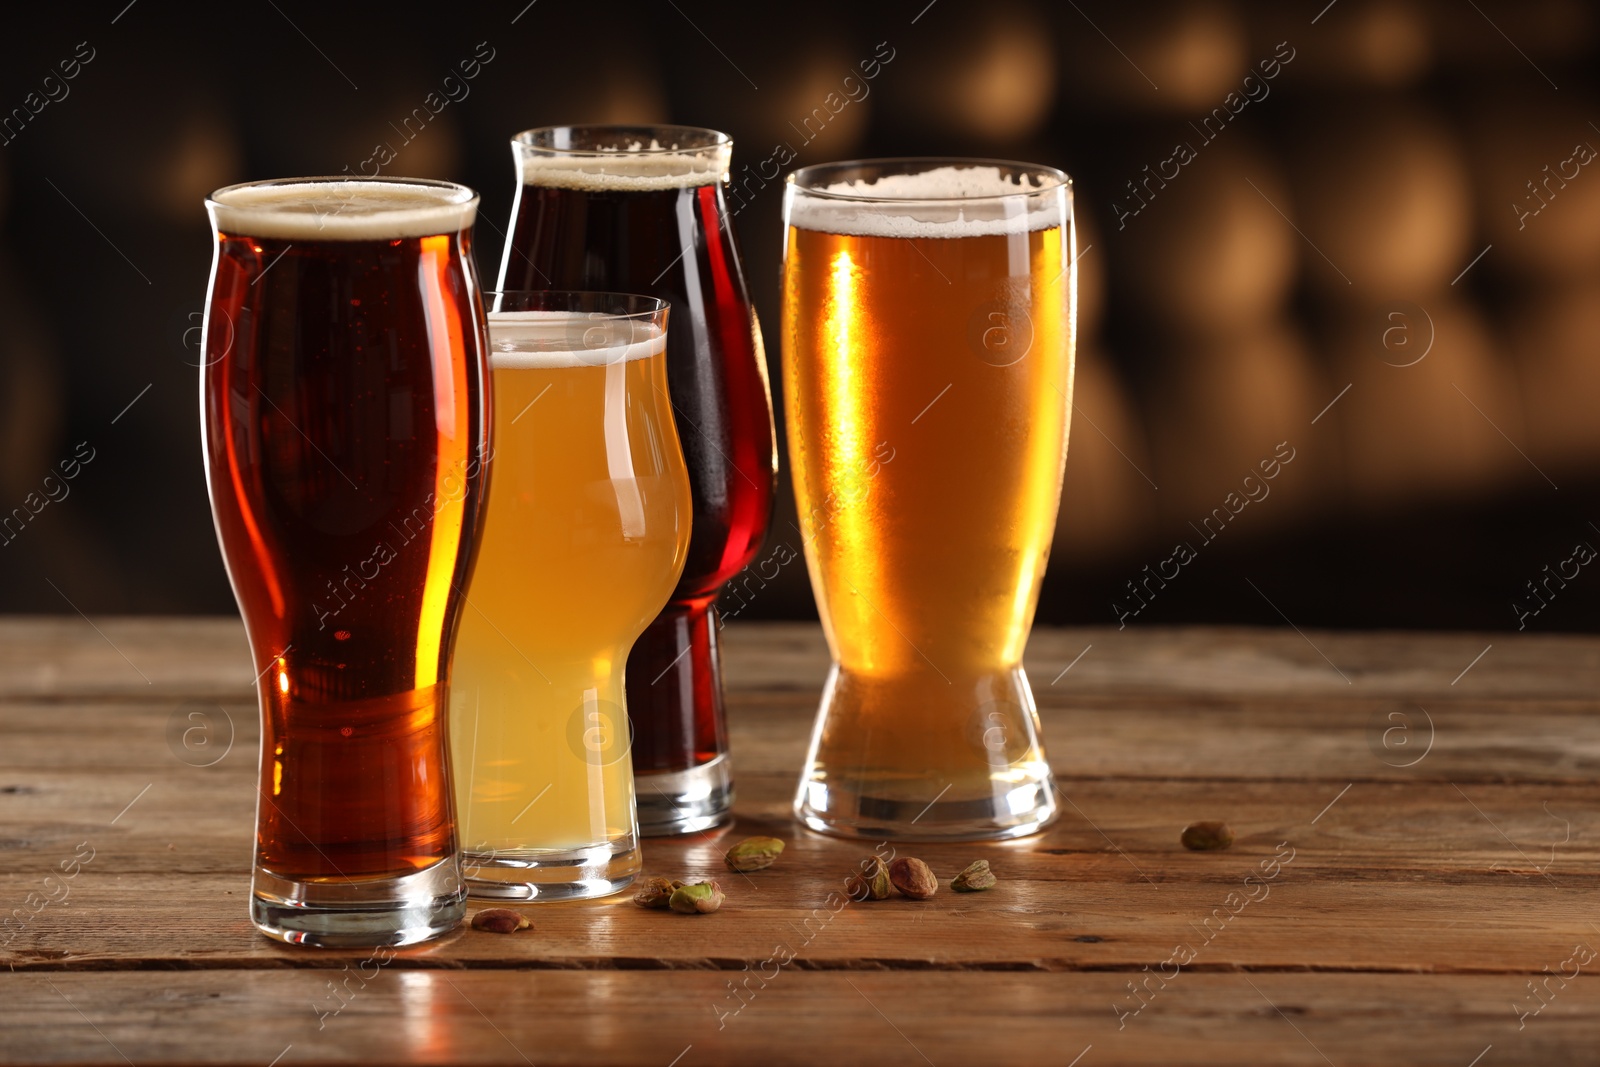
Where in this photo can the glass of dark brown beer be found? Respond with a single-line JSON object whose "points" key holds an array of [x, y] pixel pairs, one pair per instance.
{"points": [[344, 411], [641, 209]]}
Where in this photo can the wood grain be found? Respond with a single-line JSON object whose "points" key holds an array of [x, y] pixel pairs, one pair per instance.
{"points": [[1444, 828], [797, 1017], [134, 658]]}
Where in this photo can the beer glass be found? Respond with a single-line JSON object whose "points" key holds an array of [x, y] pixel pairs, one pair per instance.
{"points": [[585, 535], [928, 314], [345, 425], [642, 209]]}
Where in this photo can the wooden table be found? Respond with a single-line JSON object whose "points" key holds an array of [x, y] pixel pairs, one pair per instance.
{"points": [[1431, 803]]}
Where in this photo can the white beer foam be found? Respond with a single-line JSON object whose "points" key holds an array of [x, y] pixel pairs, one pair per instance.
{"points": [[955, 201], [635, 168], [343, 210], [528, 340]]}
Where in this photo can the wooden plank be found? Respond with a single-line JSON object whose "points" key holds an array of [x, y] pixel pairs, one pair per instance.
{"points": [[1397, 924], [1436, 872], [1131, 736], [132, 658], [1372, 826], [794, 1017], [1377, 881], [156, 658], [1205, 661], [1411, 835]]}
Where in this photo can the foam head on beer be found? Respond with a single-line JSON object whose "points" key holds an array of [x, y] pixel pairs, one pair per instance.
{"points": [[951, 201], [546, 340], [632, 166], [343, 210]]}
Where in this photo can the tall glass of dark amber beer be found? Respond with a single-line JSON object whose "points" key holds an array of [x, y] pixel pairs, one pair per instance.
{"points": [[343, 404], [645, 209], [928, 315]]}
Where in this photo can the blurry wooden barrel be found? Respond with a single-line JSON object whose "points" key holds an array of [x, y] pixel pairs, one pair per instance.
{"points": [[1091, 268], [1386, 43], [30, 390], [1224, 402], [1554, 335], [1107, 504], [814, 99], [989, 79], [1548, 31], [1553, 228], [1428, 418], [1210, 250], [1383, 199], [1169, 57]]}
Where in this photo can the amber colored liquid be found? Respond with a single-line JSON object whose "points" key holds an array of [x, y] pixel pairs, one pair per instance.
{"points": [[928, 385], [676, 244], [345, 433], [587, 527]]}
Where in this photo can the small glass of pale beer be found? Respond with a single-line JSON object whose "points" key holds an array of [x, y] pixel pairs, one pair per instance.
{"points": [[928, 316], [343, 406], [586, 533]]}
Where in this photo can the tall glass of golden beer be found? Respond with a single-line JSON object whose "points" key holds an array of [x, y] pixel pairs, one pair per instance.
{"points": [[585, 535], [928, 321]]}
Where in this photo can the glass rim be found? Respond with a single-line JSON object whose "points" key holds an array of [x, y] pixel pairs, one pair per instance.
{"points": [[471, 194], [711, 140], [648, 307], [796, 180]]}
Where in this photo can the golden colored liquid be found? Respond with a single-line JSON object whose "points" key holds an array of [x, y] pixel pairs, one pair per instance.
{"points": [[928, 387], [584, 538]]}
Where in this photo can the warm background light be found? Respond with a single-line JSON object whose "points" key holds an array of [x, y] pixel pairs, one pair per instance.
{"points": [[1350, 259]]}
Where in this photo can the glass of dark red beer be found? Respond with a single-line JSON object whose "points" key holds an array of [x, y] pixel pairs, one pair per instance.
{"points": [[640, 209], [344, 411]]}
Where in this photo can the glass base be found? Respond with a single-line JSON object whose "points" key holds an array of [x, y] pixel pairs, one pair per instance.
{"points": [[685, 802], [1021, 810], [919, 756], [360, 913], [545, 874]]}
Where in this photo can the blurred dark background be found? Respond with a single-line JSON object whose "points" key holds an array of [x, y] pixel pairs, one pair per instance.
{"points": [[1400, 221]]}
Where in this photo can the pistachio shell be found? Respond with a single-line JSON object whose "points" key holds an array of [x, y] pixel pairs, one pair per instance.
{"points": [[753, 854], [1207, 836], [698, 899], [976, 877], [871, 882], [500, 921], [913, 878], [655, 892]]}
